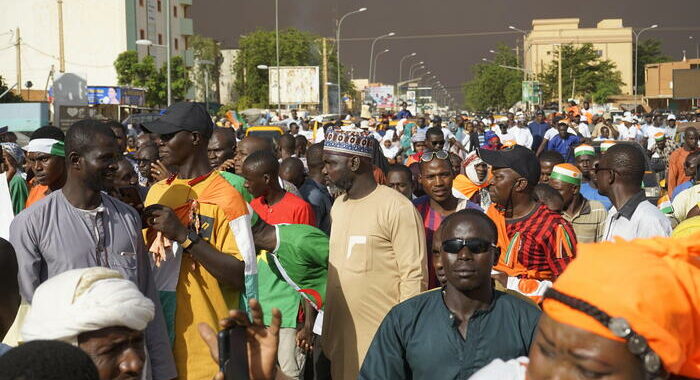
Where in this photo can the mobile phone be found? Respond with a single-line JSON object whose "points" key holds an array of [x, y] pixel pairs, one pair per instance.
{"points": [[233, 354]]}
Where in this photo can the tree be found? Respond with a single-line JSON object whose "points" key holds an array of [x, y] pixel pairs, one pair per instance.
{"points": [[10, 97], [297, 48], [143, 74], [206, 49], [494, 86], [584, 74], [649, 51]]}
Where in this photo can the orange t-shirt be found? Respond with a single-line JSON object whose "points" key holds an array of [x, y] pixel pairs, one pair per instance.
{"points": [[37, 193]]}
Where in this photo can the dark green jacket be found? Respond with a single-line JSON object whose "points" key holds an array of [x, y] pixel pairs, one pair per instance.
{"points": [[419, 338]]}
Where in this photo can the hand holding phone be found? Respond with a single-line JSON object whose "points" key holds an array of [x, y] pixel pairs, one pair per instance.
{"points": [[233, 354]]}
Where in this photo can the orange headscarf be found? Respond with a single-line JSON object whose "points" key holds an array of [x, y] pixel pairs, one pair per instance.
{"points": [[654, 284]]}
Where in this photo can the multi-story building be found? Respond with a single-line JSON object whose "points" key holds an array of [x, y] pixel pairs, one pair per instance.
{"points": [[610, 38], [673, 85], [94, 33]]}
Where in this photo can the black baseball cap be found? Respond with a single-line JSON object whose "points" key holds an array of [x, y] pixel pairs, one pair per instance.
{"points": [[182, 116], [516, 157]]}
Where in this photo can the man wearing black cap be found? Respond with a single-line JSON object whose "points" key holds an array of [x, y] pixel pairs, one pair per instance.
{"points": [[536, 242], [206, 219]]}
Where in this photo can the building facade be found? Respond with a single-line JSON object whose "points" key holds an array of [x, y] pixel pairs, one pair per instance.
{"points": [[610, 39], [94, 33], [659, 87]]}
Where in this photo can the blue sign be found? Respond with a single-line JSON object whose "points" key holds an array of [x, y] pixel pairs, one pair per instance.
{"points": [[104, 95]]}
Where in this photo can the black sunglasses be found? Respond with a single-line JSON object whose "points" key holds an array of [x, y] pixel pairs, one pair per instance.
{"points": [[475, 245], [439, 154]]}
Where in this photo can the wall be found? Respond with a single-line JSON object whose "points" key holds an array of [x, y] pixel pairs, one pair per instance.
{"points": [[610, 38], [94, 34]]}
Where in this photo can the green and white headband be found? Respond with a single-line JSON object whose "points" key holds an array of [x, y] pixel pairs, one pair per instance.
{"points": [[50, 146], [584, 150], [567, 173]]}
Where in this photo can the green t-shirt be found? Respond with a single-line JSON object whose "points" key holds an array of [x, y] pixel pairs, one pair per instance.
{"points": [[302, 250], [18, 193]]}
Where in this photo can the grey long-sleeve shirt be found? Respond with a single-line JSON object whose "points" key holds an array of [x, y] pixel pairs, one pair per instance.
{"points": [[52, 236]]}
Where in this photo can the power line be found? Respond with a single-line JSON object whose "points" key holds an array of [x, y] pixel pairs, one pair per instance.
{"points": [[447, 35]]}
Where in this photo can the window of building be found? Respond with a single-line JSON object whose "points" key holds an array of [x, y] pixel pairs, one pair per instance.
{"points": [[140, 3], [160, 39], [695, 66], [176, 44], [142, 34], [187, 42], [159, 5], [175, 11], [599, 53]]}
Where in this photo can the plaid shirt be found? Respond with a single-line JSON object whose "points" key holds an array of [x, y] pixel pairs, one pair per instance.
{"points": [[538, 241]]}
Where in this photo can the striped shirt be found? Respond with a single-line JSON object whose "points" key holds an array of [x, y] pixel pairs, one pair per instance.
{"points": [[538, 242], [588, 221]]}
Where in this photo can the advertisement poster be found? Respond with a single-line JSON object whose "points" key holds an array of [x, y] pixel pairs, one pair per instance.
{"points": [[104, 95], [381, 96]]}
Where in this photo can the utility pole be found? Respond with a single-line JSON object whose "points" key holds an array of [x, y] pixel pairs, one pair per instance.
{"points": [[61, 53], [168, 52], [18, 48], [325, 77], [561, 108]]}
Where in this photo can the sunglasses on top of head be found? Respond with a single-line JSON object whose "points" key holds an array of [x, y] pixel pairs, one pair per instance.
{"points": [[439, 154]]}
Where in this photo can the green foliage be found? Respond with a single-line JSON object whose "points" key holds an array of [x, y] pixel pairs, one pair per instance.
{"points": [[649, 51], [494, 86], [10, 97], [144, 74], [206, 49], [297, 48], [583, 72]]}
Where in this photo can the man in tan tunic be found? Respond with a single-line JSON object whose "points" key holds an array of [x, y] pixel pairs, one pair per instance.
{"points": [[377, 252]]}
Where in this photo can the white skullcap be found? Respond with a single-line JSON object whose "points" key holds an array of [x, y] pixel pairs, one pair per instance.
{"points": [[671, 117], [84, 300]]}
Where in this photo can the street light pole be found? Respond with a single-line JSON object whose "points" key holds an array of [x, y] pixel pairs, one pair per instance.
{"points": [[401, 64], [636, 63], [337, 51], [371, 52], [410, 70], [374, 72], [167, 50], [525, 33], [277, 48], [697, 47]]}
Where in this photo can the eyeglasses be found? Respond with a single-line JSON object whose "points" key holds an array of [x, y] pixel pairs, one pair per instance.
{"points": [[475, 245], [439, 154]]}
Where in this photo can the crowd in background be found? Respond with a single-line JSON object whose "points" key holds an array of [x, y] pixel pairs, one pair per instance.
{"points": [[391, 247]]}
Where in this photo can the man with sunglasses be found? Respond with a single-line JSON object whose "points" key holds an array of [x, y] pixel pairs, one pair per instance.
{"points": [[436, 177], [453, 332], [537, 243], [619, 175]]}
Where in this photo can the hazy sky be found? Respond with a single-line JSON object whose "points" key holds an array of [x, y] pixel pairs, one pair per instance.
{"points": [[414, 21]]}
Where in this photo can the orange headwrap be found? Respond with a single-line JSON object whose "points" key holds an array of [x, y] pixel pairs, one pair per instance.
{"points": [[654, 284]]}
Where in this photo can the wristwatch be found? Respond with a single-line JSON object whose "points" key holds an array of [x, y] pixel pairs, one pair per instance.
{"points": [[192, 238]]}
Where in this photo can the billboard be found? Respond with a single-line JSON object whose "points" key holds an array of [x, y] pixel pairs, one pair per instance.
{"points": [[380, 96], [299, 85], [104, 95], [686, 84], [531, 92]]}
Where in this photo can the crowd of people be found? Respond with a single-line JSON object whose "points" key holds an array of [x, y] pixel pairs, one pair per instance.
{"points": [[533, 245]]}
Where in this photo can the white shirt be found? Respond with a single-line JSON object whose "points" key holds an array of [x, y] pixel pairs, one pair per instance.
{"points": [[551, 132], [504, 136], [584, 130], [448, 137], [638, 218], [685, 201], [651, 131], [523, 136], [626, 133]]}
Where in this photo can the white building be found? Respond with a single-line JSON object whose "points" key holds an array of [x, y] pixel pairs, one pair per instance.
{"points": [[95, 32]]}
